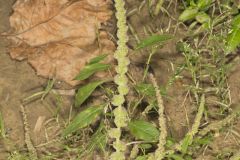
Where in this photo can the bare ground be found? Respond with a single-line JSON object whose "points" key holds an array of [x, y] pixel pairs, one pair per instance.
{"points": [[18, 81]]}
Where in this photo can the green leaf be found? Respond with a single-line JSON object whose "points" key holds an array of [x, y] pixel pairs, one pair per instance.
{"points": [[97, 141], [89, 70], [188, 157], [175, 157], [233, 40], [188, 14], [204, 4], [143, 130], [186, 142], [236, 22], [145, 157], [202, 140], [84, 92], [148, 89], [152, 40], [170, 142], [192, 3], [145, 146], [83, 119], [202, 17], [97, 59], [145, 89]]}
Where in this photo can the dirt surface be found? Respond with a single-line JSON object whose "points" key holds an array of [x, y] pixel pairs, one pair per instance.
{"points": [[162, 61], [180, 106], [18, 81]]}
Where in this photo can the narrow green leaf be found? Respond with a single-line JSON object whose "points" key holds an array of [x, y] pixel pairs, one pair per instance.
{"points": [[202, 17], [145, 146], [188, 2], [143, 130], [83, 119], [84, 92], [89, 70], [175, 157], [188, 14], [233, 40], [202, 140], [145, 157], [152, 40], [148, 90], [192, 3], [48, 88], [204, 4], [170, 142], [145, 89], [97, 141], [186, 142], [236, 22], [97, 59]]}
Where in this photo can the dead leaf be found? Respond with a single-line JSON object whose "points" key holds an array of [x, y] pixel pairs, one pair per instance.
{"points": [[58, 37]]}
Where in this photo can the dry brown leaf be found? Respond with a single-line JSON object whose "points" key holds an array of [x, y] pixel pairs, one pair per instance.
{"points": [[58, 37]]}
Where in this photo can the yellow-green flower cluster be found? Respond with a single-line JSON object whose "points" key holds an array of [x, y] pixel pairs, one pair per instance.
{"points": [[120, 79], [121, 53]]}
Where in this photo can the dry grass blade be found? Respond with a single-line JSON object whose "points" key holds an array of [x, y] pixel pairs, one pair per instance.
{"points": [[31, 149], [162, 121]]}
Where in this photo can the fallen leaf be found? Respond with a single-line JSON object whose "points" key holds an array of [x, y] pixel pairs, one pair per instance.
{"points": [[58, 37]]}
